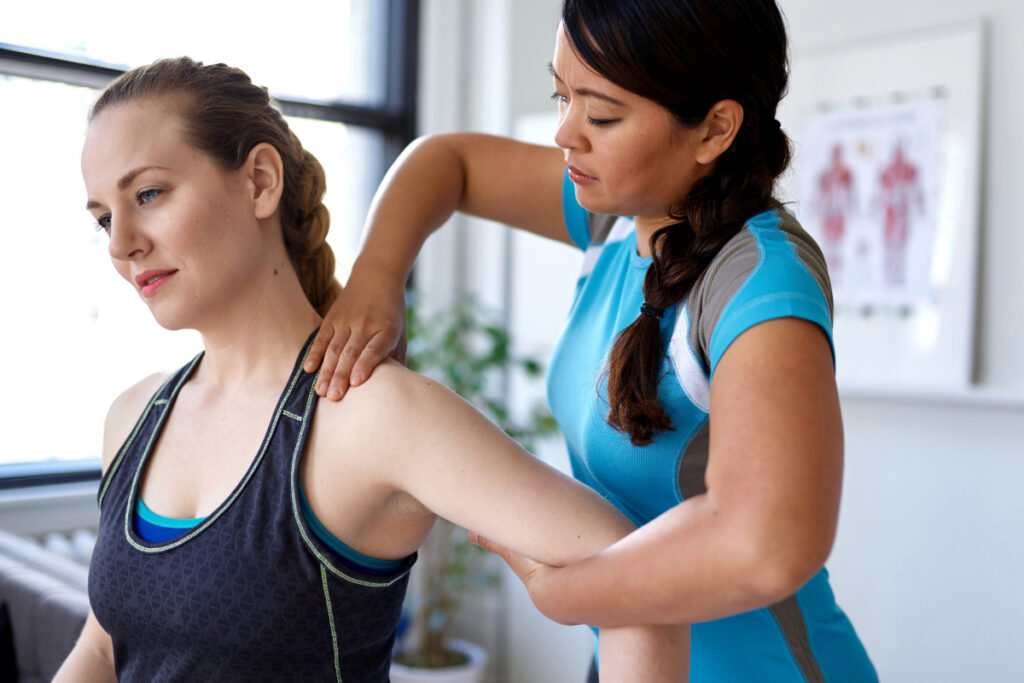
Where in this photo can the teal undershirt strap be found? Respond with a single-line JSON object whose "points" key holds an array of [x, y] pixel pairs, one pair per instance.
{"points": [[332, 542]]}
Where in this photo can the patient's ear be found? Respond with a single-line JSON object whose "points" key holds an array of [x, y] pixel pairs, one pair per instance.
{"points": [[265, 172]]}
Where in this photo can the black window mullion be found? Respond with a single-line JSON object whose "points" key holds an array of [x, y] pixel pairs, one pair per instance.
{"points": [[45, 66], [402, 77], [378, 118], [23, 475]]}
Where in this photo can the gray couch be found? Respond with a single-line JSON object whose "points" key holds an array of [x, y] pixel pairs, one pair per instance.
{"points": [[47, 602]]}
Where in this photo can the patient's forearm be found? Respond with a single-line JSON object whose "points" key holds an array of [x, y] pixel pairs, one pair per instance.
{"points": [[645, 654]]}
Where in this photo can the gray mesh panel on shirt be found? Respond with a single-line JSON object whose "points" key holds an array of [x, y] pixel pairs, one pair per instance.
{"points": [[600, 225], [729, 271]]}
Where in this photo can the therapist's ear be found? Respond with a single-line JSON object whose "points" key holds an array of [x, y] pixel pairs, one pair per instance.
{"points": [[719, 129]]}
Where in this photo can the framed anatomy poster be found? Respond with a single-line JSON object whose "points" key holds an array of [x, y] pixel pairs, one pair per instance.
{"points": [[885, 176]]}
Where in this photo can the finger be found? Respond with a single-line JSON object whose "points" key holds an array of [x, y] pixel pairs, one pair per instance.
{"points": [[398, 353], [490, 546], [485, 544], [521, 566], [346, 359], [330, 363], [478, 540], [379, 347], [319, 347]]}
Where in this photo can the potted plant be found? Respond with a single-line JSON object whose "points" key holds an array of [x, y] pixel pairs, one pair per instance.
{"points": [[467, 349]]}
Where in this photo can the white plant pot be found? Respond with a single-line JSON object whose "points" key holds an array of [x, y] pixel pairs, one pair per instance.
{"points": [[470, 672]]}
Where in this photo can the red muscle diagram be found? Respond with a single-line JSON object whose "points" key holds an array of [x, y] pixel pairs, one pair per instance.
{"points": [[834, 203], [900, 196]]}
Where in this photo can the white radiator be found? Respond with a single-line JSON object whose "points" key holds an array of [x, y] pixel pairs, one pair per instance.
{"points": [[75, 544]]}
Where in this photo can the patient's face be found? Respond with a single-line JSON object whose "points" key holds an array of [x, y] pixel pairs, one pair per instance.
{"points": [[181, 228]]}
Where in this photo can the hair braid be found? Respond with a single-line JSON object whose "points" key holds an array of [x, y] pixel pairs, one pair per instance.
{"points": [[714, 211], [306, 236]]}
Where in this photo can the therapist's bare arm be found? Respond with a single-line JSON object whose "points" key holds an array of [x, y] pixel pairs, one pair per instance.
{"points": [[504, 180], [767, 521]]}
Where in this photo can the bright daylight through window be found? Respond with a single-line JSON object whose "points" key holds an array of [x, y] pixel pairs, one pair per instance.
{"points": [[75, 335]]}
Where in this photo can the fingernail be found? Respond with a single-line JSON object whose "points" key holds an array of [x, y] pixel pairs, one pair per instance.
{"points": [[357, 378], [321, 388], [334, 394]]}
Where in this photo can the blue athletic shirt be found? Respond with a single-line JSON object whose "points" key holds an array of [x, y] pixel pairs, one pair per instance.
{"points": [[770, 269]]}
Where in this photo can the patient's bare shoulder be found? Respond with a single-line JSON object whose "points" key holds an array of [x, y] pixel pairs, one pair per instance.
{"points": [[124, 412], [396, 414], [393, 395]]}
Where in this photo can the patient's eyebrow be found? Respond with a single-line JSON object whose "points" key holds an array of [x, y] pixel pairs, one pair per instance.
{"points": [[125, 180], [585, 92]]}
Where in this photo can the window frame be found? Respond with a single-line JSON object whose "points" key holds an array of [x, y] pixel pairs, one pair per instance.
{"points": [[394, 118]]}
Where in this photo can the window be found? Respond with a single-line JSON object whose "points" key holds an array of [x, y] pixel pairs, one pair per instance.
{"points": [[343, 73]]}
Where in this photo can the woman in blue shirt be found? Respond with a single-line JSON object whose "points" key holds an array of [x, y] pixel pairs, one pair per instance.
{"points": [[694, 381]]}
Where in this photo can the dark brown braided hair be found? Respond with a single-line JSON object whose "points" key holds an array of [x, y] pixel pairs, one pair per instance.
{"points": [[226, 115], [687, 55]]}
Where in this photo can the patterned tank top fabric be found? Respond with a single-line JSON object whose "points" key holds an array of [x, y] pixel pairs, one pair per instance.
{"points": [[250, 593]]}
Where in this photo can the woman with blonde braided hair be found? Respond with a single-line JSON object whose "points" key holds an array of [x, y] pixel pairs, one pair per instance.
{"points": [[694, 380], [248, 533]]}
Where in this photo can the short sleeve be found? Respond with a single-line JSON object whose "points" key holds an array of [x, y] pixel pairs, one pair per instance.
{"points": [[575, 215], [771, 269]]}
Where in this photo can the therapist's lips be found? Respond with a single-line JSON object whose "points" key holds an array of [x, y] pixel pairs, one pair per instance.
{"points": [[579, 177]]}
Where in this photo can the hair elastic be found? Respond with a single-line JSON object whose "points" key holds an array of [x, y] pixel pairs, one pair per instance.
{"points": [[652, 311]]}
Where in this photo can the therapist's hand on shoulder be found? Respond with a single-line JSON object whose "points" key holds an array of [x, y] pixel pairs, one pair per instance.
{"points": [[364, 326]]}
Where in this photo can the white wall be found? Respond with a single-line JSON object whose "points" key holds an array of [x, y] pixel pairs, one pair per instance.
{"points": [[929, 551], [927, 563], [928, 557]]}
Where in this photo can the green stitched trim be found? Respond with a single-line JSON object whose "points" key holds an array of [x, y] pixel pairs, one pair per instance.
{"points": [[293, 415], [116, 463], [161, 402], [371, 565], [133, 490], [184, 538], [300, 523], [330, 618]]}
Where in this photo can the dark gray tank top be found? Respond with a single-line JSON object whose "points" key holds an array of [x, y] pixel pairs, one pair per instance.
{"points": [[250, 594]]}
